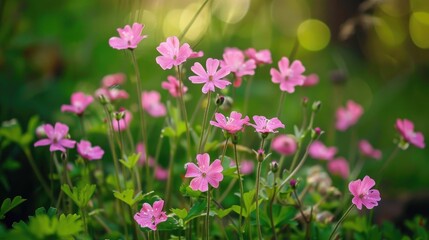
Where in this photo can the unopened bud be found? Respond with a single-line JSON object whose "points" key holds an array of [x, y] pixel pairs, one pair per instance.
{"points": [[274, 166], [227, 103], [316, 132], [63, 156], [316, 106], [103, 99], [234, 139], [304, 102], [119, 115], [260, 155], [338, 77], [220, 100], [292, 183]]}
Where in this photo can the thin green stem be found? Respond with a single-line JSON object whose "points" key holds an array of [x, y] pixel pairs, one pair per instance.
{"points": [[208, 215], [112, 147], [281, 102], [273, 227], [237, 164], [246, 95], [210, 126], [224, 150], [184, 114], [142, 116], [340, 221], [36, 171], [200, 146], [386, 163], [170, 174], [258, 222], [82, 125], [193, 20]]}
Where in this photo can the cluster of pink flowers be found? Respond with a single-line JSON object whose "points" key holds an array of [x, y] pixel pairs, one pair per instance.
{"points": [[110, 87]]}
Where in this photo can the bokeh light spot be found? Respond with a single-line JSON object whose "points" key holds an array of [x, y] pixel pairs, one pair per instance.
{"points": [[201, 24], [390, 31], [230, 11], [171, 25], [313, 35], [419, 29]]}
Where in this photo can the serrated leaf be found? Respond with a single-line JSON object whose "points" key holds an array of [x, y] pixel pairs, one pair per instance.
{"points": [[69, 225], [80, 195], [128, 197], [181, 213], [171, 224], [131, 160], [8, 205], [221, 213]]}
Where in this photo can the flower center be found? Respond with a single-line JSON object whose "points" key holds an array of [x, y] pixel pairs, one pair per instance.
{"points": [[203, 174], [210, 78]]}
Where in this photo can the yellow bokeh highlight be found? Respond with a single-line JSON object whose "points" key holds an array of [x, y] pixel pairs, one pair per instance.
{"points": [[171, 23], [390, 31], [419, 29], [313, 35], [230, 11], [199, 26]]}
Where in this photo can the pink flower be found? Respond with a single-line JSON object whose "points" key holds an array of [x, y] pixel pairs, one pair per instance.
{"points": [[113, 80], [129, 37], [284, 144], [112, 93], [150, 217], [212, 78], [172, 53], [173, 86], [123, 123], [289, 76], [151, 103], [363, 194], [347, 117], [140, 148], [204, 174], [88, 152], [311, 80], [246, 166], [264, 125], [79, 102], [57, 138], [319, 151], [161, 173], [339, 166], [231, 124], [367, 150], [233, 58], [260, 57], [406, 129]]}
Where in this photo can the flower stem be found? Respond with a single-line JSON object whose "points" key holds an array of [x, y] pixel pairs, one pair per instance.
{"points": [[273, 228], [340, 221], [258, 222], [184, 114], [208, 215], [170, 173], [386, 163], [36, 171], [237, 164], [203, 126], [246, 95], [193, 20], [112, 147], [281, 102], [142, 116], [224, 150]]}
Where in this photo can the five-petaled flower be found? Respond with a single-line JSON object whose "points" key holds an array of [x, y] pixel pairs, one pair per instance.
{"points": [[151, 103], [231, 124], [367, 150], [86, 151], [318, 150], [363, 194], [150, 216], [57, 138], [406, 129], [172, 53], [289, 76], [265, 125], [233, 58], [348, 116], [129, 37], [79, 103], [212, 77], [173, 86], [260, 57], [205, 173]]}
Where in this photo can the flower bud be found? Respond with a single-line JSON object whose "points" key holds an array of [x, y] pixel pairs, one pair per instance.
{"points": [[103, 99], [260, 155], [234, 138], [274, 166], [316, 132], [227, 103], [304, 102], [40, 132], [292, 183], [220, 100], [316, 106], [119, 115]]}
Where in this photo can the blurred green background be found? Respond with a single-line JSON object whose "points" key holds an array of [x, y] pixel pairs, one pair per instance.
{"points": [[50, 49]]}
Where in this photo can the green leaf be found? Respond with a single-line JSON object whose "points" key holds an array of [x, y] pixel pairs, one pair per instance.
{"points": [[11, 164], [171, 224], [198, 209], [8, 205], [221, 213], [130, 161], [11, 130], [80, 195], [188, 192], [358, 224], [181, 213], [128, 197], [69, 225], [169, 132]]}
